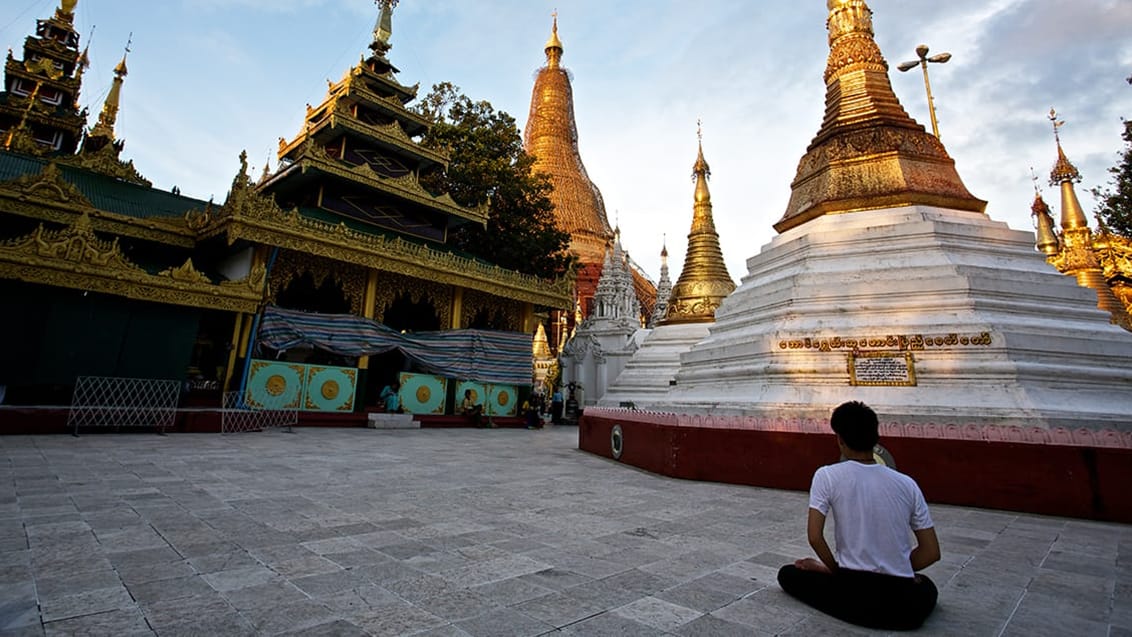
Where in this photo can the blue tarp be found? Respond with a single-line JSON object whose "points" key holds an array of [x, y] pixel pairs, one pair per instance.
{"points": [[485, 356]]}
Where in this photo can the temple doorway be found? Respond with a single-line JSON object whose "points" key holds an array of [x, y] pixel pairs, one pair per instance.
{"points": [[406, 315]]}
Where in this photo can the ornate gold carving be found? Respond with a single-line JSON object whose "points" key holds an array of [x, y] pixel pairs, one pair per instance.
{"points": [[74, 257], [423, 394], [185, 272], [330, 390], [902, 342], [106, 161], [392, 286], [49, 185], [291, 265], [501, 310]]}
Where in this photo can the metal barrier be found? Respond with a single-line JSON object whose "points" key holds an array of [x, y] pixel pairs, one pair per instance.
{"points": [[238, 415], [104, 401]]}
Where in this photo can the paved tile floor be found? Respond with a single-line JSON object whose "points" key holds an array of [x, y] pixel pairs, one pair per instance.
{"points": [[469, 532]]}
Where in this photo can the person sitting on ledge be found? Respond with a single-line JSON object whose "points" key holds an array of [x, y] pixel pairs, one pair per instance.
{"points": [[470, 409], [873, 580], [391, 396]]}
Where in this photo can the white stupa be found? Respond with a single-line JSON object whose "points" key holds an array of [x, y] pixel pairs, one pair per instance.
{"points": [[889, 284]]}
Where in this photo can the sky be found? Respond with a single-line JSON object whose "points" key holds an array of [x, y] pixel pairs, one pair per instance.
{"points": [[209, 78]]}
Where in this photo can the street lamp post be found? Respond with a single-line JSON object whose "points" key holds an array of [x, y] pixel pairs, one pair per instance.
{"points": [[941, 58]]}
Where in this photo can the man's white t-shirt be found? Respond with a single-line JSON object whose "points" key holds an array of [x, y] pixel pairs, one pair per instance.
{"points": [[875, 509]]}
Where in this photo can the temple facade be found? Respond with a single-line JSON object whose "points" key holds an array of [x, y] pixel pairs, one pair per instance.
{"points": [[174, 286], [551, 136]]}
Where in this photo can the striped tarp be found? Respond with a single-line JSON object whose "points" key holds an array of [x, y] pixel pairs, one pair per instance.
{"points": [[485, 356]]}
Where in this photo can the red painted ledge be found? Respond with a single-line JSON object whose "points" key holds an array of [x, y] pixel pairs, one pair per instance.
{"points": [[1050, 478]]}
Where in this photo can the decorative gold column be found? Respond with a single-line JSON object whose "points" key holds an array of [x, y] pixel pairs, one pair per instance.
{"points": [[237, 328], [368, 302], [457, 321]]}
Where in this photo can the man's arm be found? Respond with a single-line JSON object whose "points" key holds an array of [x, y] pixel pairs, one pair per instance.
{"points": [[815, 533], [926, 552]]}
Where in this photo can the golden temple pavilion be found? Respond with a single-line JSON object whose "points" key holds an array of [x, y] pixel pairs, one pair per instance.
{"points": [[114, 277]]}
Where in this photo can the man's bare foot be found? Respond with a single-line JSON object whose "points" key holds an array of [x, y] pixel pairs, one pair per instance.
{"points": [[811, 564]]}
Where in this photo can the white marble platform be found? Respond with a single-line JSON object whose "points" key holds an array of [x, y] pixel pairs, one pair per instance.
{"points": [[648, 375], [1018, 343]]}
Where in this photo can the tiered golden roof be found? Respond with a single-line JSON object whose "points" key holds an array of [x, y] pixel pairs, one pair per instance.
{"points": [[1102, 262], [869, 153], [551, 136], [704, 281]]}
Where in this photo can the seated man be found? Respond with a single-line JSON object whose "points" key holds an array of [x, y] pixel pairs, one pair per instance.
{"points": [[872, 581], [470, 409], [391, 396]]}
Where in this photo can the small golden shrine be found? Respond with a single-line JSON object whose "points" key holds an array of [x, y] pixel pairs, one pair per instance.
{"points": [[1102, 260]]}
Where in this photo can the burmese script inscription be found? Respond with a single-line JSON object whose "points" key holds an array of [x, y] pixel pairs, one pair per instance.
{"points": [[882, 369]]}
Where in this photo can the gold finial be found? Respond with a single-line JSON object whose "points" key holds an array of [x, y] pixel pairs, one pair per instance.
{"points": [[554, 45], [1063, 171], [109, 115], [67, 6]]}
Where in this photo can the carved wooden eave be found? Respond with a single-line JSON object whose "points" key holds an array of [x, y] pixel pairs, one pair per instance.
{"points": [[403, 93], [105, 161], [391, 134], [46, 196], [389, 105], [75, 258], [408, 187], [251, 216]]}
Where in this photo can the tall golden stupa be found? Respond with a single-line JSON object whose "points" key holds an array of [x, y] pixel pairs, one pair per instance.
{"points": [[869, 154], [704, 281], [551, 137]]}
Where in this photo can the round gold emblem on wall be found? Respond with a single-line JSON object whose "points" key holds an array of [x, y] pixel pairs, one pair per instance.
{"points": [[423, 394], [503, 398], [276, 385], [330, 390]]}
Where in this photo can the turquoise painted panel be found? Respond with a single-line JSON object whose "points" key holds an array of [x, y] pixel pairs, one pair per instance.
{"points": [[423, 393], [275, 384], [330, 388]]}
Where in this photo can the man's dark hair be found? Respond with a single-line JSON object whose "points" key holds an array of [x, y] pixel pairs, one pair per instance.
{"points": [[856, 423]]}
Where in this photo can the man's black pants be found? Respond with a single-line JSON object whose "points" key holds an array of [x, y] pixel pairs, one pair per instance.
{"points": [[866, 599]]}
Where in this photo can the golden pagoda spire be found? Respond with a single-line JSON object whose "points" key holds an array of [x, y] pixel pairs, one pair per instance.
{"points": [[869, 153], [704, 281], [109, 115], [383, 30], [66, 10], [1077, 256], [551, 137]]}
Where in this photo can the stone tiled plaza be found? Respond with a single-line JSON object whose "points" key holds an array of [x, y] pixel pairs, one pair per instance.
{"points": [[469, 532]]}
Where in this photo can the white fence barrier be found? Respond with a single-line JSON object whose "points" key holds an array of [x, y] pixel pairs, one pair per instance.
{"points": [[103, 401], [237, 416]]}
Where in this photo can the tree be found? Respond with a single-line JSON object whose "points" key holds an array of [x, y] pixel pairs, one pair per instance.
{"points": [[488, 162], [1114, 201]]}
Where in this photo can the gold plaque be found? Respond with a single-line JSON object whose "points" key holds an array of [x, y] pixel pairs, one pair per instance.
{"points": [[423, 394], [330, 390], [503, 398], [882, 369]]}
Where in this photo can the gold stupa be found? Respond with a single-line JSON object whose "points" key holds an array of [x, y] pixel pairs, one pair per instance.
{"points": [[869, 153], [551, 136], [704, 281], [1102, 261]]}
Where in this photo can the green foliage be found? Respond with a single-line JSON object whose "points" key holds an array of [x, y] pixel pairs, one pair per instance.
{"points": [[1114, 201], [488, 162]]}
